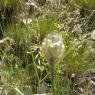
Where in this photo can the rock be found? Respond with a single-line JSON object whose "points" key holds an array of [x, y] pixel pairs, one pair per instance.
{"points": [[31, 7], [86, 82]]}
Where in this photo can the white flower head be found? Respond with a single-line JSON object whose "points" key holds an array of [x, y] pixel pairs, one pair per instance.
{"points": [[53, 47], [93, 35]]}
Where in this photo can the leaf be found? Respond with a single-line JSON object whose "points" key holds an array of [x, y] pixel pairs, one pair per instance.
{"points": [[19, 91]]}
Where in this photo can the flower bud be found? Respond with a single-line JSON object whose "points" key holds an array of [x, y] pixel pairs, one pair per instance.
{"points": [[53, 47]]}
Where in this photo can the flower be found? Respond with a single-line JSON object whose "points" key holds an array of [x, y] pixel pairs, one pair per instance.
{"points": [[53, 47], [93, 35]]}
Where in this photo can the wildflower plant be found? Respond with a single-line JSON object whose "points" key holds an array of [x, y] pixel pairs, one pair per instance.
{"points": [[53, 49]]}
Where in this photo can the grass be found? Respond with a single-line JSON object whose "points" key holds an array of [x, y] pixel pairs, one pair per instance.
{"points": [[25, 69]]}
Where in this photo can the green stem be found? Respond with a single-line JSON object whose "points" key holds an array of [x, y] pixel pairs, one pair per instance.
{"points": [[36, 72], [52, 78]]}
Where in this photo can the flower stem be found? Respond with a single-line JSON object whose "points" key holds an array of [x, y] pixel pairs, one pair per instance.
{"points": [[52, 77]]}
